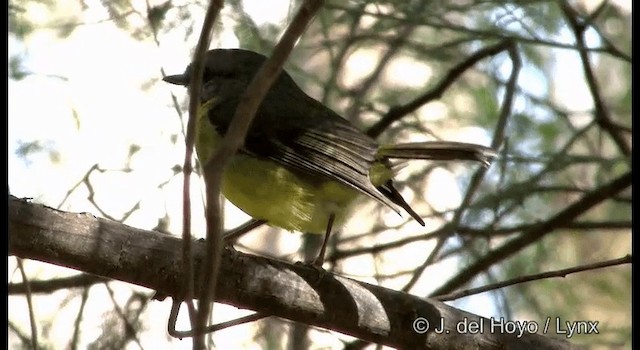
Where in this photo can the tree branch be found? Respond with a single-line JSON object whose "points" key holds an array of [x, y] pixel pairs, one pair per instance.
{"points": [[292, 291], [534, 277], [569, 214], [601, 114], [398, 112]]}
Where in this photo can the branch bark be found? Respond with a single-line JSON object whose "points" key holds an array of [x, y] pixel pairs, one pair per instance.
{"points": [[292, 291]]}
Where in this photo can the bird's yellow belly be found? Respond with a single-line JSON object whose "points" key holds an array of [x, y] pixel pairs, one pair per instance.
{"points": [[268, 191]]}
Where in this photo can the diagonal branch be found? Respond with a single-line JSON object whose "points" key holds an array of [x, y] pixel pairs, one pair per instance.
{"points": [[528, 237], [398, 112], [602, 115], [501, 126], [538, 276], [270, 287]]}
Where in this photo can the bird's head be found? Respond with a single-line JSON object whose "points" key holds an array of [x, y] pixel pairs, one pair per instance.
{"points": [[223, 64]]}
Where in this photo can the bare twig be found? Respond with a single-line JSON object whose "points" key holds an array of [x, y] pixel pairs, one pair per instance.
{"points": [[131, 326], [569, 214], [76, 325], [499, 133], [486, 33], [239, 231], [602, 115], [398, 112], [392, 49], [50, 286], [32, 317], [428, 261], [199, 318], [233, 139], [476, 233], [523, 279], [213, 328]]}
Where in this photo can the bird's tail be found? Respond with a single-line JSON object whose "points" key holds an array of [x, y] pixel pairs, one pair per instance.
{"points": [[439, 150]]}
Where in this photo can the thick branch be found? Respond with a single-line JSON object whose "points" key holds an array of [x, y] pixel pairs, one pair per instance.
{"points": [[295, 292]]}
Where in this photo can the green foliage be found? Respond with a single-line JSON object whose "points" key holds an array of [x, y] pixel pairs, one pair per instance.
{"points": [[26, 150], [65, 29], [19, 23], [486, 103], [156, 14], [16, 69]]}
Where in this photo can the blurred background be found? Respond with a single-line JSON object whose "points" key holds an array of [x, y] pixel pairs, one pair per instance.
{"points": [[92, 128]]}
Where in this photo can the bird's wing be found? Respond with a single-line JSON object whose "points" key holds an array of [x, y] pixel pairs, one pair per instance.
{"points": [[307, 136]]}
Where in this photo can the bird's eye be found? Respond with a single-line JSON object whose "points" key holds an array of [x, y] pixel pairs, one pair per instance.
{"points": [[208, 74]]}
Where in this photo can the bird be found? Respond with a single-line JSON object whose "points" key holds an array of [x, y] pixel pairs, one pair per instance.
{"points": [[302, 165]]}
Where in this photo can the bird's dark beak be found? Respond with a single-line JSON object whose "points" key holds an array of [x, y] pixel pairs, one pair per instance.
{"points": [[178, 79]]}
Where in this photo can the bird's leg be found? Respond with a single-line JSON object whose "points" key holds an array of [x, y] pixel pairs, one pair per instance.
{"points": [[320, 259], [232, 236]]}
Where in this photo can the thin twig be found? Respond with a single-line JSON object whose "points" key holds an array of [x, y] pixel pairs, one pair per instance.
{"points": [[523, 279], [52, 285], [32, 317], [484, 33], [398, 112], [73, 344], [234, 138], [570, 213], [393, 47], [233, 235], [601, 111], [501, 126], [431, 258], [209, 329], [199, 318]]}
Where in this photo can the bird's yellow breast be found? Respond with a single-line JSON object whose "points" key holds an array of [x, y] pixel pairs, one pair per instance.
{"points": [[269, 191]]}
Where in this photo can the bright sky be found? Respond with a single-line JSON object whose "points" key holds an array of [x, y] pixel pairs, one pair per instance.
{"points": [[94, 94]]}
